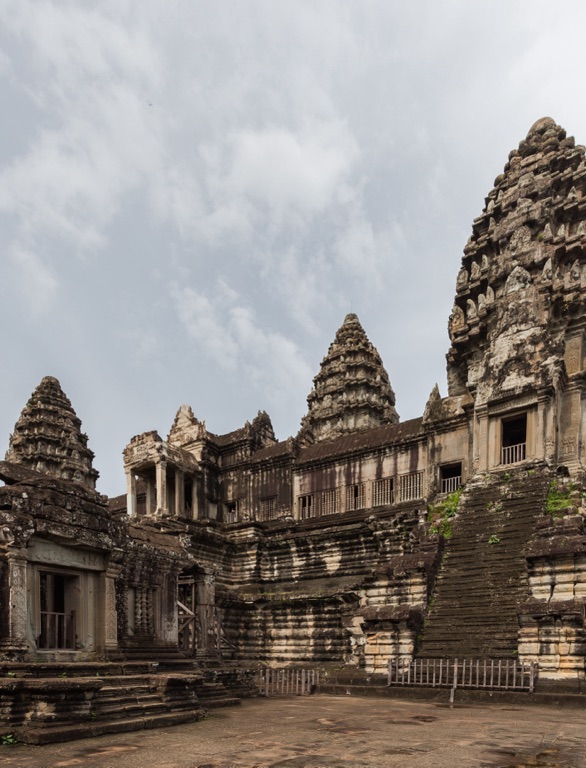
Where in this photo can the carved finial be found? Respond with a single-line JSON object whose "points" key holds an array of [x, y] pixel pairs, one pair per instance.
{"points": [[433, 406]]}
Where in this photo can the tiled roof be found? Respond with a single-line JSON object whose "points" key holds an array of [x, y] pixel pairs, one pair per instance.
{"points": [[389, 434], [277, 450], [229, 437]]}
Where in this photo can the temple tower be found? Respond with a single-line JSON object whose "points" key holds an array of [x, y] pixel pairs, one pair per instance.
{"points": [[48, 438], [517, 326], [352, 391]]}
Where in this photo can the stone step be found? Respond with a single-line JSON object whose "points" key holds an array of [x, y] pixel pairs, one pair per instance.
{"points": [[52, 735]]}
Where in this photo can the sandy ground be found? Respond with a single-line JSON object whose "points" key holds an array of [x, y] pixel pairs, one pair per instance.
{"points": [[335, 732]]}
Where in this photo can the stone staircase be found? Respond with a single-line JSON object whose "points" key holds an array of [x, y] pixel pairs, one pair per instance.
{"points": [[483, 576], [52, 702]]}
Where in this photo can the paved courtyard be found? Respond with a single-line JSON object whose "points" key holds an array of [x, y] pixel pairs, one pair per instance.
{"points": [[335, 732]]}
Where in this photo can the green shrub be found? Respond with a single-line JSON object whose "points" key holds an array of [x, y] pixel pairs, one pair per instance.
{"points": [[441, 515]]}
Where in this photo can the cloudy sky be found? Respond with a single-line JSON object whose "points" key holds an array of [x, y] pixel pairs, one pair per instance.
{"points": [[194, 194]]}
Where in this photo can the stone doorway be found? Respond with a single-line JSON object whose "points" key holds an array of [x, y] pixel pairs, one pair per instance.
{"points": [[186, 610], [59, 597]]}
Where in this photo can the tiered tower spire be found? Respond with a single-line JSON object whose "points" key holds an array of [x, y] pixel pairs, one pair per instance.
{"points": [[520, 294], [352, 391], [48, 438]]}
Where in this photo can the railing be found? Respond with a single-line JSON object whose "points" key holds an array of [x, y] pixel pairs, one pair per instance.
{"points": [[57, 630], [513, 454], [451, 484], [494, 674], [287, 682]]}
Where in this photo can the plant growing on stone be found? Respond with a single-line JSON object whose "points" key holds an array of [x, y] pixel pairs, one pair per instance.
{"points": [[441, 515], [560, 499], [7, 739], [494, 539]]}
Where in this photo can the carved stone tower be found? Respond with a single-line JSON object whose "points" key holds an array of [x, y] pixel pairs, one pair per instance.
{"points": [[48, 438], [517, 326], [352, 391]]}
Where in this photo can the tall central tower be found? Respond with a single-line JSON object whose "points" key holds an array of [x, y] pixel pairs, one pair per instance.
{"points": [[517, 326]]}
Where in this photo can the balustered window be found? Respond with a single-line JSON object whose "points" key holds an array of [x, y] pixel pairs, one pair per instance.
{"points": [[306, 506], [330, 502], [450, 477], [383, 492], [514, 439], [356, 496], [231, 509], [411, 486]]}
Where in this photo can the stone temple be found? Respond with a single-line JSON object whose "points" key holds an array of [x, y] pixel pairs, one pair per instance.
{"points": [[364, 538]]}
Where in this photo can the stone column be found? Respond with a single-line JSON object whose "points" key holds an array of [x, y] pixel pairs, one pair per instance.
{"points": [[17, 601], [111, 624], [161, 471], [130, 493], [482, 450], [539, 434], [179, 493]]}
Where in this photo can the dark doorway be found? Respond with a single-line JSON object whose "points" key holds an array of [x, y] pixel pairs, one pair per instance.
{"points": [[58, 593], [514, 440]]}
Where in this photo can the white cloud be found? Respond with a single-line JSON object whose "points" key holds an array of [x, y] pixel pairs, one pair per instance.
{"points": [[230, 335], [281, 168], [35, 281]]}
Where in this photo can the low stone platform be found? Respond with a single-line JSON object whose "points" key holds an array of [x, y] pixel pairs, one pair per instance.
{"points": [[53, 702]]}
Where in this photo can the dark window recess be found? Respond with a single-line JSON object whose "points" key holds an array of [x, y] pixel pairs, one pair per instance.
{"points": [[57, 594], [188, 495], [514, 439], [231, 512], [451, 477]]}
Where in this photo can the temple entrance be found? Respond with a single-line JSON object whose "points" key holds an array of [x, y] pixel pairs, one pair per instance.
{"points": [[186, 607], [514, 439], [199, 619], [59, 596]]}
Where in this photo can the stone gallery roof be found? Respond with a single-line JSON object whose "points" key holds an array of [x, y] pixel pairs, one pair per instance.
{"points": [[259, 433], [389, 434], [276, 451], [48, 438], [352, 391], [522, 280]]}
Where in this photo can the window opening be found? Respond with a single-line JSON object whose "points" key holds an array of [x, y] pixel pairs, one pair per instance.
{"points": [[450, 477], [514, 439], [306, 507], [382, 492], [231, 512], [330, 502], [355, 496], [188, 496], [411, 486]]}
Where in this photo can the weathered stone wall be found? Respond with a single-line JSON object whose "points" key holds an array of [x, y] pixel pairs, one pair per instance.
{"points": [[552, 622], [348, 589]]}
